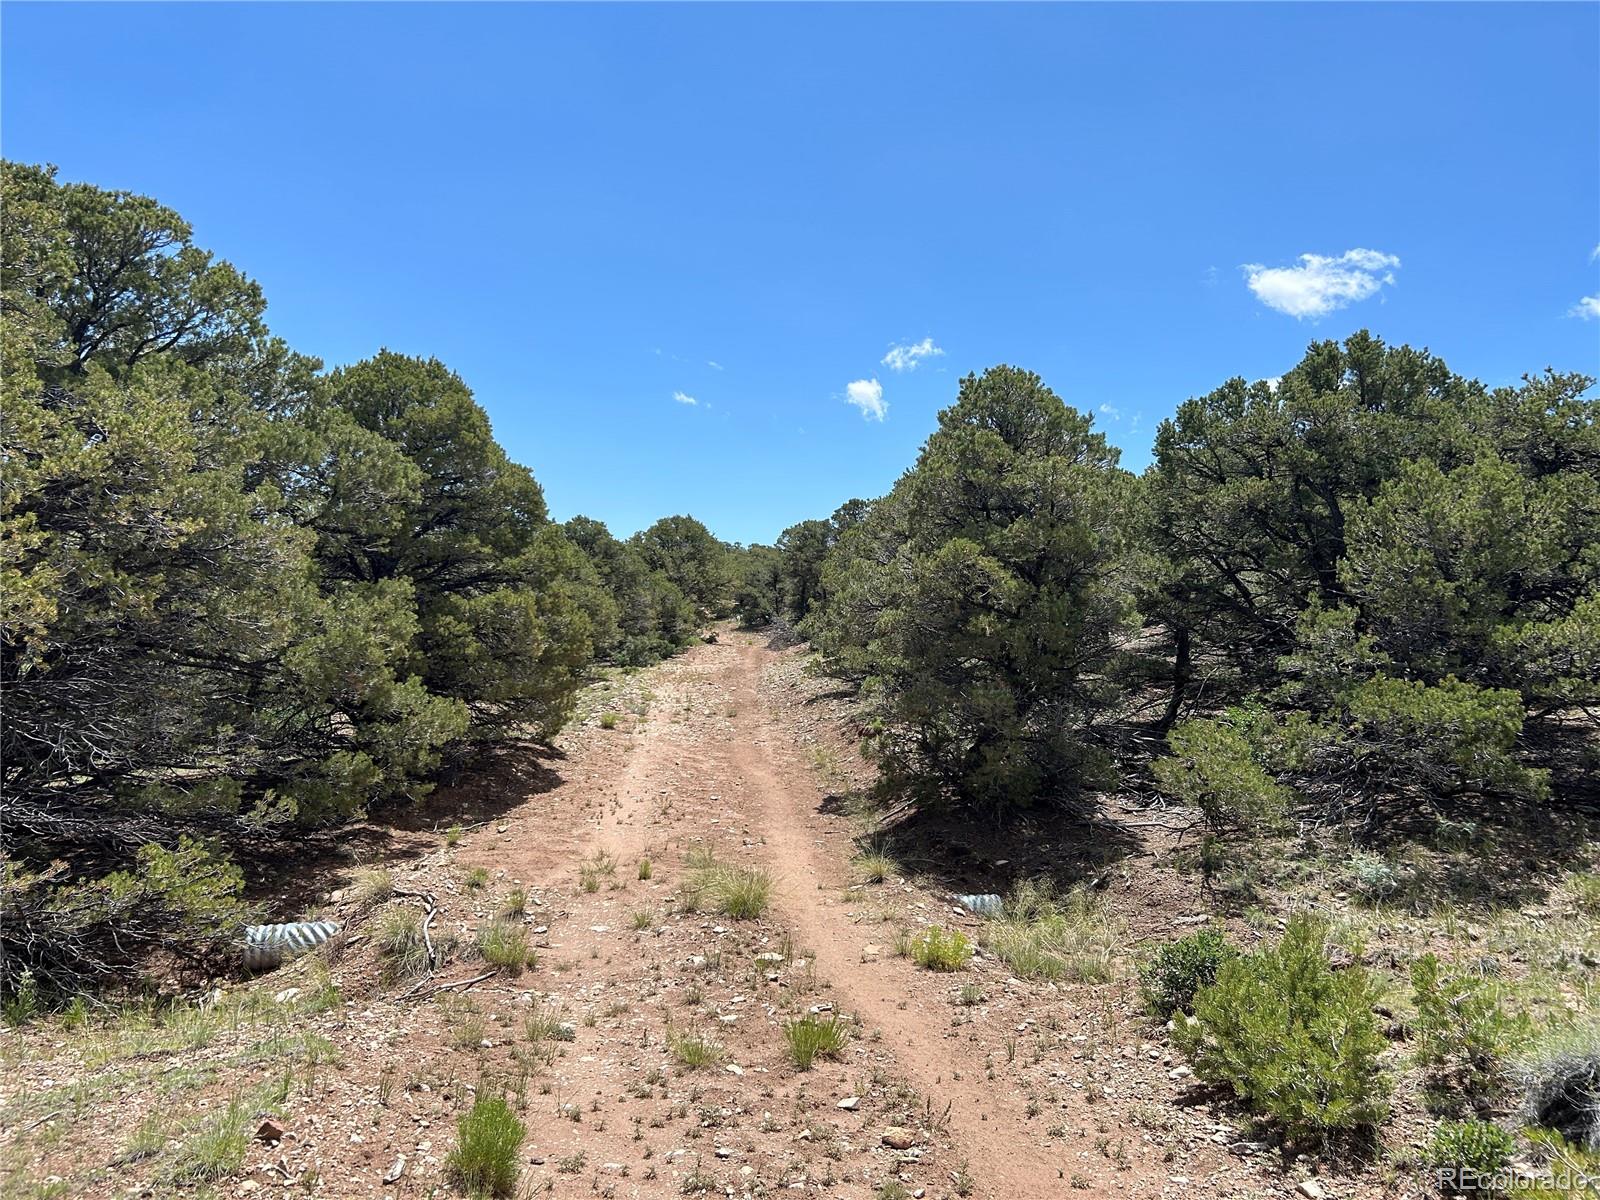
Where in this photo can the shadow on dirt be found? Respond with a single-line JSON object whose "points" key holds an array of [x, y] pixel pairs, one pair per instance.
{"points": [[957, 852], [288, 882]]}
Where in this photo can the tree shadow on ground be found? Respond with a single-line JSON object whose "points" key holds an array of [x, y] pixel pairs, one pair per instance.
{"points": [[288, 881], [964, 854]]}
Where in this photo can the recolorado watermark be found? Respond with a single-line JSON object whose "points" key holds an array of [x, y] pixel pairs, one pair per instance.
{"points": [[1562, 1178]]}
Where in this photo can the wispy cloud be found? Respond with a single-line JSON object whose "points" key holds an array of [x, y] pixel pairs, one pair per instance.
{"points": [[1112, 411], [1587, 309], [1321, 284], [867, 395], [906, 355], [684, 398], [714, 364]]}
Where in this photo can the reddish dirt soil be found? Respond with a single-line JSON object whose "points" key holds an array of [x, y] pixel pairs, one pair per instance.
{"points": [[1008, 1089]]}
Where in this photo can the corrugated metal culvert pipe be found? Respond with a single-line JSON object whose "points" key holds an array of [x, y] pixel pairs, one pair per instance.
{"points": [[265, 946]]}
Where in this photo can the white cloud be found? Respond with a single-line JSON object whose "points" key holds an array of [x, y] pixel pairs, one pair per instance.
{"points": [[1594, 254], [1587, 309], [684, 398], [1112, 411], [1320, 284], [714, 365], [867, 395], [907, 355], [1272, 382]]}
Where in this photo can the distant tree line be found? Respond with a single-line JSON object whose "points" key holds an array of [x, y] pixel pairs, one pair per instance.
{"points": [[244, 595], [1371, 586]]}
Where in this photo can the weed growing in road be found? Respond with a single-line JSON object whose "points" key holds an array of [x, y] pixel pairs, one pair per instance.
{"points": [[643, 918], [608, 720], [742, 893], [452, 836], [477, 878], [936, 948], [811, 1038], [514, 905], [505, 944], [645, 870], [597, 870], [488, 1138], [694, 1050]]}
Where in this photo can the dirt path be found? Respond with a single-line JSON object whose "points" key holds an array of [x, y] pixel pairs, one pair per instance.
{"points": [[989, 1123], [953, 1085]]}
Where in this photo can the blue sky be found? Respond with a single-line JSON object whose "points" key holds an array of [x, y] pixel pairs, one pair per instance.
{"points": [[590, 211]]}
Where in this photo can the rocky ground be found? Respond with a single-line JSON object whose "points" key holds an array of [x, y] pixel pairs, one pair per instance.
{"points": [[645, 1048]]}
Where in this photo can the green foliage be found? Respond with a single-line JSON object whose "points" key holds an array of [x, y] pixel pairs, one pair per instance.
{"points": [[1461, 1028], [686, 553], [1471, 1152], [504, 944], [1212, 766], [938, 949], [811, 1038], [983, 602], [695, 1051], [485, 1158], [1294, 1038], [742, 893], [1177, 971], [242, 594]]}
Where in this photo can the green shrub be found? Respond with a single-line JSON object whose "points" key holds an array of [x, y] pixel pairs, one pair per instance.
{"points": [[1469, 1153], [1041, 936], [812, 1037], [1178, 970], [742, 893], [484, 1161], [873, 867], [1212, 766], [645, 869], [694, 1050], [505, 944], [939, 949], [1292, 1036], [1460, 1026], [608, 720], [477, 877]]}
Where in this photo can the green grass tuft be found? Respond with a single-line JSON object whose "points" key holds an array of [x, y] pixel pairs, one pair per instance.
{"points": [[488, 1138]]}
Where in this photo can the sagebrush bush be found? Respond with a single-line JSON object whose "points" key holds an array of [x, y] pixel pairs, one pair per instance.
{"points": [[1172, 975], [1292, 1036], [938, 949], [1372, 876], [1042, 936], [484, 1161], [1471, 1152], [1461, 1028], [810, 1038], [1561, 1080]]}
